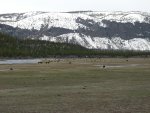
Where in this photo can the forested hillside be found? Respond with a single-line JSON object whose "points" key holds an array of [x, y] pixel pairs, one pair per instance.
{"points": [[109, 30], [12, 47]]}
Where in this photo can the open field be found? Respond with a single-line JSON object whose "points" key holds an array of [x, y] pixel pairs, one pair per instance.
{"points": [[81, 86]]}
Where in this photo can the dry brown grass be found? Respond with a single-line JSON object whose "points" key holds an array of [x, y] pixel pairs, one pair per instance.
{"points": [[79, 87]]}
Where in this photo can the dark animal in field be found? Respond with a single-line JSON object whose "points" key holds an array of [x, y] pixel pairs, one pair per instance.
{"points": [[84, 87], [127, 60], [104, 66], [11, 68], [40, 62], [47, 62], [58, 95]]}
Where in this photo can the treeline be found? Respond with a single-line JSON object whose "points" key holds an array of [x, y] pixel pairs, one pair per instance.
{"points": [[12, 47]]}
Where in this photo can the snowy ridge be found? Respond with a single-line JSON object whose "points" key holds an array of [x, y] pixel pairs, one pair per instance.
{"points": [[101, 42], [36, 20], [17, 16], [63, 20], [124, 17], [84, 28]]}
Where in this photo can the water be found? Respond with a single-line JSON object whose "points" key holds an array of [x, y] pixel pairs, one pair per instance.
{"points": [[20, 61]]}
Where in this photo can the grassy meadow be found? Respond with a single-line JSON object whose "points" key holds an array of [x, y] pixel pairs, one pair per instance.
{"points": [[77, 86]]}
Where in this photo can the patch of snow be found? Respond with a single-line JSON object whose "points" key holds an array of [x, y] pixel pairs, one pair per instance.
{"points": [[37, 20], [63, 20], [132, 44], [44, 38], [120, 16], [102, 42]]}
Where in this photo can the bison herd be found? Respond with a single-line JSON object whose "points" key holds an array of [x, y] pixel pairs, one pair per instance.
{"points": [[48, 61]]}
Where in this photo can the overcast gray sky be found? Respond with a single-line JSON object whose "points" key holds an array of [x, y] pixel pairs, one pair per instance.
{"points": [[9, 6]]}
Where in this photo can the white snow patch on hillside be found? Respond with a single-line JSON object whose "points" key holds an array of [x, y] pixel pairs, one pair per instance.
{"points": [[14, 17], [37, 20], [44, 38], [63, 20], [139, 44], [120, 16], [101, 42], [104, 43], [132, 44]]}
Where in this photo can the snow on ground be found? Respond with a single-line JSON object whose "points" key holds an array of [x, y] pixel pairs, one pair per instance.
{"points": [[36, 20], [102, 42], [14, 17], [120, 16], [63, 20]]}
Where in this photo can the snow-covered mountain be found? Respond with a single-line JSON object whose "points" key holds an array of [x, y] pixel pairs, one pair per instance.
{"points": [[93, 30]]}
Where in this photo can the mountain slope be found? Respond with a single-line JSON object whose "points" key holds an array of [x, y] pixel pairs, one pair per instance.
{"points": [[93, 30], [12, 47]]}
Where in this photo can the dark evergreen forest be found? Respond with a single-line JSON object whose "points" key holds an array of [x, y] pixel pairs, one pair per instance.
{"points": [[11, 47]]}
